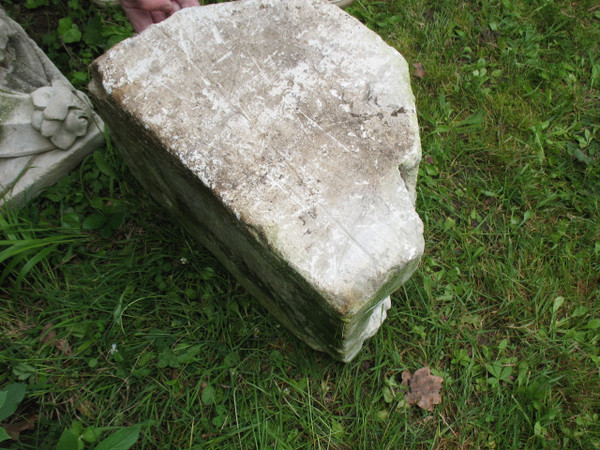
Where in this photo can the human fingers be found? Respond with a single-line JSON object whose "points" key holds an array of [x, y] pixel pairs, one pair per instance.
{"points": [[187, 3], [166, 6], [157, 16], [139, 19]]}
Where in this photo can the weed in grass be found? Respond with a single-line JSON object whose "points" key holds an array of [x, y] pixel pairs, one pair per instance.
{"points": [[504, 305], [73, 438]]}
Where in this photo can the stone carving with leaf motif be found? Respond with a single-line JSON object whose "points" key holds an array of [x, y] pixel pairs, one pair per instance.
{"points": [[46, 126]]}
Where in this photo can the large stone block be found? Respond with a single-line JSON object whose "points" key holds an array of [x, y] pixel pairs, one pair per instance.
{"points": [[283, 135], [46, 126]]}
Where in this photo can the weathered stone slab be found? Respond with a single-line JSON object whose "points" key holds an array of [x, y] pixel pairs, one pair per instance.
{"points": [[46, 126], [283, 134]]}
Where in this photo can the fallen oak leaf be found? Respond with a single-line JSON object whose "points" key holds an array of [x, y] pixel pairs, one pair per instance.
{"points": [[419, 71], [63, 346], [83, 405], [16, 329], [423, 388], [48, 337], [15, 429]]}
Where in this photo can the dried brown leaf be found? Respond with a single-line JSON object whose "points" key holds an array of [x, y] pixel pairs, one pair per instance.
{"points": [[423, 388], [15, 429], [15, 328], [63, 346], [85, 407], [48, 337], [419, 71]]}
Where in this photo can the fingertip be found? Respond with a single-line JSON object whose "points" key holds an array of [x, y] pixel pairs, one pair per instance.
{"points": [[188, 3], [167, 9], [158, 16]]}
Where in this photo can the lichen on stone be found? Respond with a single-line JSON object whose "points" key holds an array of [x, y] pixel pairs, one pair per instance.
{"points": [[5, 33]]}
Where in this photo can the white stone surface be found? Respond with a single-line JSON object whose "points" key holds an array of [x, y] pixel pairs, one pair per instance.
{"points": [[46, 126], [300, 123]]}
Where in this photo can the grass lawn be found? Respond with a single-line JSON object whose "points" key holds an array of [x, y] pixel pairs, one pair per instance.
{"points": [[113, 317]]}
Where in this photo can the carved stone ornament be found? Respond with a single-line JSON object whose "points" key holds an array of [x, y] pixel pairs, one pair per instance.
{"points": [[61, 113], [46, 126]]}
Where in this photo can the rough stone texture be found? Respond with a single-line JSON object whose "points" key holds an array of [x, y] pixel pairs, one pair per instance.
{"points": [[46, 126], [283, 134]]}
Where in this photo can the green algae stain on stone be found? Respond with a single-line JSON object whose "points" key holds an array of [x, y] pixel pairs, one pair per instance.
{"points": [[7, 106]]}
